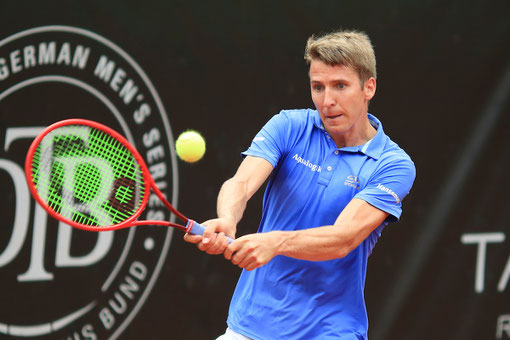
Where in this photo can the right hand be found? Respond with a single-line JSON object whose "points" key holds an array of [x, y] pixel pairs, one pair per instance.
{"points": [[214, 241]]}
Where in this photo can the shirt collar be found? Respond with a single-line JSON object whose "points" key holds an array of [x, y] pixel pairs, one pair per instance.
{"points": [[372, 148]]}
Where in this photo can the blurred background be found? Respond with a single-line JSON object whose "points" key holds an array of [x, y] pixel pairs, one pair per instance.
{"points": [[224, 68]]}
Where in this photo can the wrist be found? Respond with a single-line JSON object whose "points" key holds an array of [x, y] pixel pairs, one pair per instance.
{"points": [[283, 242], [230, 225], [229, 219]]}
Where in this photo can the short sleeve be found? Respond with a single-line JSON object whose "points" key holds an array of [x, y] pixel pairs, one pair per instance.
{"points": [[388, 186], [271, 141]]}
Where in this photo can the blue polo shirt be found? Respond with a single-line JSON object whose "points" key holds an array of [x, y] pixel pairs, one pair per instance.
{"points": [[311, 183]]}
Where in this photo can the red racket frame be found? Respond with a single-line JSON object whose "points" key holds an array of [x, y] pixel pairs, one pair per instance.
{"points": [[147, 178]]}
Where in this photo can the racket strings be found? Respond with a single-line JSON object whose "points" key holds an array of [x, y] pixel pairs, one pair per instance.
{"points": [[87, 176], [123, 200], [128, 177]]}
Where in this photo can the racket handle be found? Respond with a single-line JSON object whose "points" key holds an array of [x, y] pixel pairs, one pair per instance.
{"points": [[196, 228]]}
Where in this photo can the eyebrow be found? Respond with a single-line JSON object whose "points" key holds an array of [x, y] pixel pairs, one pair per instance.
{"points": [[334, 81]]}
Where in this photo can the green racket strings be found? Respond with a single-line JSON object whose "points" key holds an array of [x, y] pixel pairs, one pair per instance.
{"points": [[87, 176]]}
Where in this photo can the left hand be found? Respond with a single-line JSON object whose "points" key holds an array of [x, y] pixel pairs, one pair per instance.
{"points": [[252, 251], [213, 241]]}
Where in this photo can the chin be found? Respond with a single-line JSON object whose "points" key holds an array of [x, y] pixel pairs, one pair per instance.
{"points": [[338, 129]]}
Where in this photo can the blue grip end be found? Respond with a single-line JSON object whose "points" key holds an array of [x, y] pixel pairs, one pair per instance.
{"points": [[198, 229]]}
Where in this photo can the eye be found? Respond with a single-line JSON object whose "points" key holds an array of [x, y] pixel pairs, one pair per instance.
{"points": [[340, 86], [317, 87]]}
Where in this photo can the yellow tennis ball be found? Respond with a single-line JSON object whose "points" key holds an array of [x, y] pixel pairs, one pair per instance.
{"points": [[190, 146]]}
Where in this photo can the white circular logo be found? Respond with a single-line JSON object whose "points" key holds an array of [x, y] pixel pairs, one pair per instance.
{"points": [[57, 281]]}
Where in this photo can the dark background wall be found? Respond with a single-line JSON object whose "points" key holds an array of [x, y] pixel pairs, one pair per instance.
{"points": [[225, 67]]}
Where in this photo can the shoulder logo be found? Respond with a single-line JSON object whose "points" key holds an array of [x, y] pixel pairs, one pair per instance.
{"points": [[66, 283], [389, 191]]}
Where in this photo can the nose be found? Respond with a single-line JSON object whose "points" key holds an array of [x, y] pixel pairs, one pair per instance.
{"points": [[329, 100]]}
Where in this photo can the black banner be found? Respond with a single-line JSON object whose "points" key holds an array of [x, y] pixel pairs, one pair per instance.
{"points": [[152, 70]]}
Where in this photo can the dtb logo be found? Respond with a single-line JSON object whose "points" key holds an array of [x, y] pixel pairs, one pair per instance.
{"points": [[23, 205], [65, 283]]}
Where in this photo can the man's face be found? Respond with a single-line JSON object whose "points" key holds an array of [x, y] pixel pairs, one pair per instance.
{"points": [[339, 98]]}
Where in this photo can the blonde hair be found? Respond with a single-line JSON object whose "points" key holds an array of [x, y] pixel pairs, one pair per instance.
{"points": [[348, 48]]}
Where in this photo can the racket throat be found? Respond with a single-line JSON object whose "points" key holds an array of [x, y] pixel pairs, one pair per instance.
{"points": [[189, 226]]}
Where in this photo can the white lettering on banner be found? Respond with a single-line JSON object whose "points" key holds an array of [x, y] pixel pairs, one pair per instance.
{"points": [[94, 206], [107, 76], [46, 53], [86, 333], [104, 70], [4, 70], [482, 239], [36, 270], [307, 163], [155, 153], [22, 211], [63, 256], [15, 62], [128, 288], [69, 207], [503, 327], [46, 155], [14, 133], [141, 113]]}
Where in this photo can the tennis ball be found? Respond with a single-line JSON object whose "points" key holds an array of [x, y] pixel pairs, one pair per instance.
{"points": [[190, 146]]}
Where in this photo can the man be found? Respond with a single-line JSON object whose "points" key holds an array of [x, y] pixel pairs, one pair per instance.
{"points": [[336, 181]]}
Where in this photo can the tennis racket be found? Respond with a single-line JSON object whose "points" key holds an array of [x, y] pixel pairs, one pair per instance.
{"points": [[90, 177]]}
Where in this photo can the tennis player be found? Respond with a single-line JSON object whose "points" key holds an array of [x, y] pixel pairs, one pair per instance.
{"points": [[336, 180]]}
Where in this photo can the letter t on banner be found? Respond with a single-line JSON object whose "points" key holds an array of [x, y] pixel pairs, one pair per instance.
{"points": [[481, 239]]}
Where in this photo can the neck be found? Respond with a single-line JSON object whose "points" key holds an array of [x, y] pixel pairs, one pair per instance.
{"points": [[359, 134]]}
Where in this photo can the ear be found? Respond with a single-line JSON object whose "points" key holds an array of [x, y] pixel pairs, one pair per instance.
{"points": [[370, 87]]}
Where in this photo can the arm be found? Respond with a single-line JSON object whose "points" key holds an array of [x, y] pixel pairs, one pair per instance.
{"points": [[364, 213], [352, 226], [232, 199]]}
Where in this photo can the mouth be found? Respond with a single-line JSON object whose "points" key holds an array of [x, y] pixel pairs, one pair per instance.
{"points": [[330, 116]]}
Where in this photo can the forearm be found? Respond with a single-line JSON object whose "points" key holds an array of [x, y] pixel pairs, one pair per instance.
{"points": [[231, 204], [232, 200], [352, 226], [316, 244], [236, 192]]}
